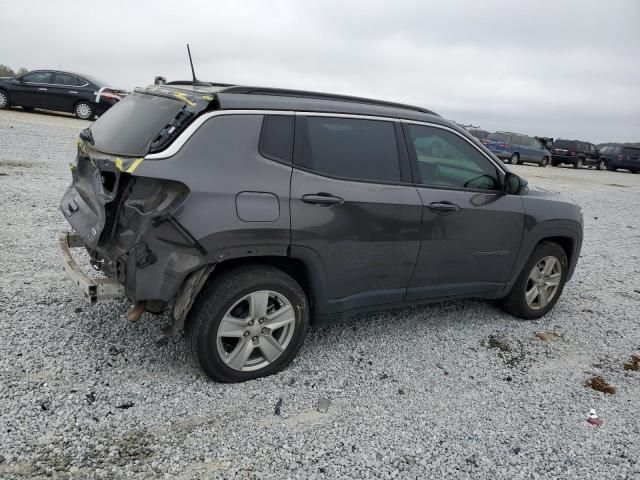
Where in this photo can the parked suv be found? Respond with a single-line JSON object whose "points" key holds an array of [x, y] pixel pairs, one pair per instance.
{"points": [[621, 156], [517, 148], [82, 95], [251, 213], [576, 153]]}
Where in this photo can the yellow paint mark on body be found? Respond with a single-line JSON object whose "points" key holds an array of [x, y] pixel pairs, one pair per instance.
{"points": [[134, 165], [184, 98]]}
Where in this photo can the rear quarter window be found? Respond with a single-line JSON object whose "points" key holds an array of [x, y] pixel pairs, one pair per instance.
{"points": [[276, 139]]}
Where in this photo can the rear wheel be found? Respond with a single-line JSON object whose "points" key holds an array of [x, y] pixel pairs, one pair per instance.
{"points": [[544, 163], [540, 283], [84, 110], [5, 101], [248, 323], [515, 158]]}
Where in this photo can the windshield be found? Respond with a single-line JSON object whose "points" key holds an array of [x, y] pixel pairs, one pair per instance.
{"points": [[498, 137], [129, 127], [564, 144]]}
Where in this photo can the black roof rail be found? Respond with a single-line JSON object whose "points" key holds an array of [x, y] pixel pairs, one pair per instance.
{"points": [[199, 84], [322, 96]]}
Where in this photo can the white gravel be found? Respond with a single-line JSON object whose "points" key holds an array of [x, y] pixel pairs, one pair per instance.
{"points": [[413, 393]]}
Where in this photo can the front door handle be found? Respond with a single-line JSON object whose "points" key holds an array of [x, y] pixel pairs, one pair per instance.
{"points": [[444, 206], [322, 199], [42, 89], [72, 91]]}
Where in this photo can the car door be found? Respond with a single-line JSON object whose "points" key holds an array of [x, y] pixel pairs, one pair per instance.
{"points": [[64, 91], [355, 213], [31, 90], [471, 231]]}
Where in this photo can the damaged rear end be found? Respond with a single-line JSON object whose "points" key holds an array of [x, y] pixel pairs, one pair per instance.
{"points": [[123, 219]]}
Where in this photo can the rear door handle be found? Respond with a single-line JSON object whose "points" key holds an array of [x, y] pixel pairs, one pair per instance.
{"points": [[72, 91], [42, 89], [323, 199], [444, 206]]}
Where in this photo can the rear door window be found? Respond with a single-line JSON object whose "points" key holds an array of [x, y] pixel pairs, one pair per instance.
{"points": [[446, 160], [129, 127], [65, 79], [276, 139], [351, 148]]}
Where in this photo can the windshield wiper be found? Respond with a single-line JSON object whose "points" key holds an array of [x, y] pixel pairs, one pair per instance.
{"points": [[87, 136]]}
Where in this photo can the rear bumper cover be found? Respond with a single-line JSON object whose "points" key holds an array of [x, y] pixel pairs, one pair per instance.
{"points": [[93, 289]]}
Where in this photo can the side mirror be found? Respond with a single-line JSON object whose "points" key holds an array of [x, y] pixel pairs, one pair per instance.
{"points": [[21, 79], [513, 184]]}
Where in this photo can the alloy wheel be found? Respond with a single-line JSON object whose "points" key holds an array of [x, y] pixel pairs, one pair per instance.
{"points": [[543, 282], [256, 330], [4, 100], [601, 165], [83, 111]]}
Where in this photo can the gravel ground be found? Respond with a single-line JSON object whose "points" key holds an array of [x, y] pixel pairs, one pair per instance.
{"points": [[458, 389]]}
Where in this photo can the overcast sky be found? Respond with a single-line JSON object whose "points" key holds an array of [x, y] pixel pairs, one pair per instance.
{"points": [[556, 68]]}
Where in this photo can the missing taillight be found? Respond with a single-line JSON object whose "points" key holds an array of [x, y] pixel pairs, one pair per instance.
{"points": [[108, 180]]}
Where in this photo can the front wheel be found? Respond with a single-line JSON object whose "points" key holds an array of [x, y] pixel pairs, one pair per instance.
{"points": [[5, 101], [248, 323], [601, 165], [545, 162], [84, 111], [514, 159], [540, 283], [579, 163]]}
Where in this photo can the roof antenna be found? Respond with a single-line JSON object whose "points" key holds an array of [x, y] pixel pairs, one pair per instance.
{"points": [[195, 82]]}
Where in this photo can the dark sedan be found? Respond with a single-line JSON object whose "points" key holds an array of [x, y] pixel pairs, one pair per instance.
{"points": [[82, 95]]}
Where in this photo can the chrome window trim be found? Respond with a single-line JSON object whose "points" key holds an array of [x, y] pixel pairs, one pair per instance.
{"points": [[178, 143]]}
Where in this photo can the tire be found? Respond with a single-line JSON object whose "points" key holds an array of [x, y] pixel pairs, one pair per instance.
{"points": [[601, 165], [578, 163], [5, 100], [225, 302], [514, 159], [544, 163], [84, 110], [516, 301]]}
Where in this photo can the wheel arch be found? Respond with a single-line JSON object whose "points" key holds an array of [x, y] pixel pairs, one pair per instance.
{"points": [[194, 283], [565, 236]]}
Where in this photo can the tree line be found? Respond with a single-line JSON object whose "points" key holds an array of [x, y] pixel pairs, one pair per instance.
{"points": [[8, 71]]}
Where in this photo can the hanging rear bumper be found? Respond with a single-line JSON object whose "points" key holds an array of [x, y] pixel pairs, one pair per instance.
{"points": [[93, 289]]}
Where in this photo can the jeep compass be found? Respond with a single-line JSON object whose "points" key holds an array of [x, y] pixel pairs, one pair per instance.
{"points": [[250, 214]]}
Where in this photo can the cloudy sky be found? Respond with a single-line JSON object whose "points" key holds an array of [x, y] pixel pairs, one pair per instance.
{"points": [[553, 68]]}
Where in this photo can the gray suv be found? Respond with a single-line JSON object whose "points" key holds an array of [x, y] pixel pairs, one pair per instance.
{"points": [[251, 214]]}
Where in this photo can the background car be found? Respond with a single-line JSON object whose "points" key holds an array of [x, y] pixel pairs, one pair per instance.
{"points": [[478, 133], [576, 153], [82, 95], [621, 156], [517, 148]]}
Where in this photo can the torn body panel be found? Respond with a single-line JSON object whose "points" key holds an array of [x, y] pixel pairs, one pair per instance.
{"points": [[160, 229]]}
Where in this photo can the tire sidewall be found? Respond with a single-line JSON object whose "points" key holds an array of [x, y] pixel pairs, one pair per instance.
{"points": [[209, 311], [516, 300]]}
